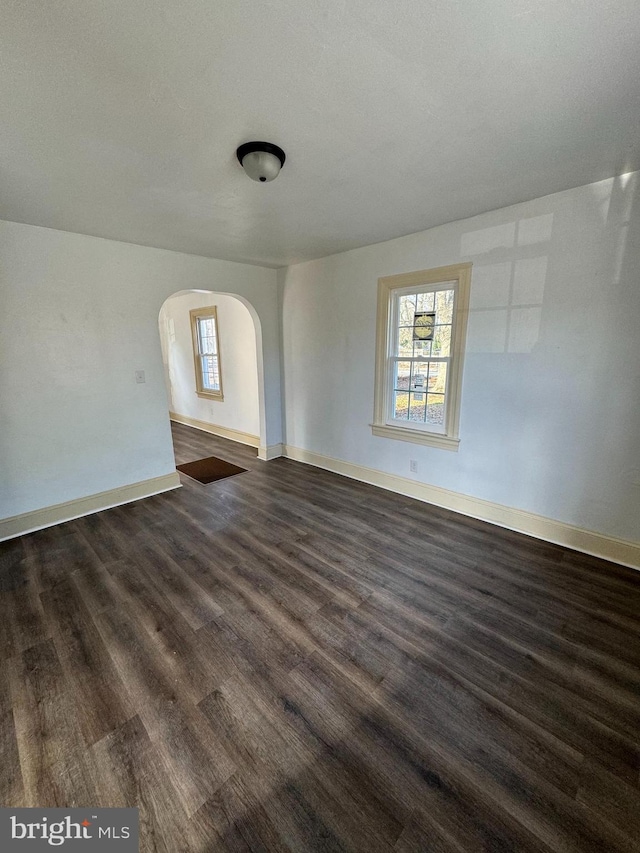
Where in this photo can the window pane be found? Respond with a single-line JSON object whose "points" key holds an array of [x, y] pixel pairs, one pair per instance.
{"points": [[424, 302], [400, 407], [444, 306], [435, 409], [441, 341], [405, 342], [437, 377], [409, 348], [421, 349], [417, 407], [210, 375], [419, 381], [402, 375], [406, 310], [207, 335]]}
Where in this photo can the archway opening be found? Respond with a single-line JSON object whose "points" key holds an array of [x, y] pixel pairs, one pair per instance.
{"points": [[212, 358]]}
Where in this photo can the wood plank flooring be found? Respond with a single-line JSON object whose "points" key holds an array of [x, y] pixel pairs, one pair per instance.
{"points": [[287, 660]]}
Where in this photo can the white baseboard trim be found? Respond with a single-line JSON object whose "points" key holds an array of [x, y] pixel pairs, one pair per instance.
{"points": [[214, 429], [28, 522], [587, 541], [273, 451]]}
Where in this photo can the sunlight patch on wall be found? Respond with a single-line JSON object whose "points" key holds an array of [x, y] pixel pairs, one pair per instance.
{"points": [[487, 239], [536, 229], [507, 296]]}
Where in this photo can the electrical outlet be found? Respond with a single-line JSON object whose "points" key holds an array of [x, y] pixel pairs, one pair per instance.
{"points": [[413, 466], [139, 374]]}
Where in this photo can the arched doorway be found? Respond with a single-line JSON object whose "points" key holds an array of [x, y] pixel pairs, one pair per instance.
{"points": [[227, 399]]}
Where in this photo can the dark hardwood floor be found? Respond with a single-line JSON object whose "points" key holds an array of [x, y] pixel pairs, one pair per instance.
{"points": [[287, 660]]}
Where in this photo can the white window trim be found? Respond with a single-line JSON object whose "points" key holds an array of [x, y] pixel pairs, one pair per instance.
{"points": [[387, 287], [205, 313]]}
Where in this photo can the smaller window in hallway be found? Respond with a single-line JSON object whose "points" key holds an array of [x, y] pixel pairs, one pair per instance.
{"points": [[206, 352]]}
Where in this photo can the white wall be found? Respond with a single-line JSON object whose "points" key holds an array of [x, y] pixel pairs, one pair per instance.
{"points": [[239, 408], [550, 417], [78, 315]]}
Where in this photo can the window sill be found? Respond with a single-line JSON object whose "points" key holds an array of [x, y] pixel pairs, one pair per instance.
{"points": [[444, 442], [211, 395]]}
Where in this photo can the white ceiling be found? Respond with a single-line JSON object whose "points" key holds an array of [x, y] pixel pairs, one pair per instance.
{"points": [[120, 118]]}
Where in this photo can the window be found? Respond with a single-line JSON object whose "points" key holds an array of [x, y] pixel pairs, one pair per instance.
{"points": [[422, 324], [206, 352]]}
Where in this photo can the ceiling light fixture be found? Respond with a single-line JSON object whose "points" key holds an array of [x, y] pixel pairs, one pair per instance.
{"points": [[262, 161]]}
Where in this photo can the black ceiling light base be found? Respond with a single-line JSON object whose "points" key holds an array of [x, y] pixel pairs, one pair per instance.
{"points": [[263, 165]]}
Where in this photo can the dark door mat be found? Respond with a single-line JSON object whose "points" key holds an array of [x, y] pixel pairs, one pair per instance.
{"points": [[209, 470]]}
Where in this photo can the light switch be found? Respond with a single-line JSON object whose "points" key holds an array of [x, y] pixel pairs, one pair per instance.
{"points": [[140, 376]]}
